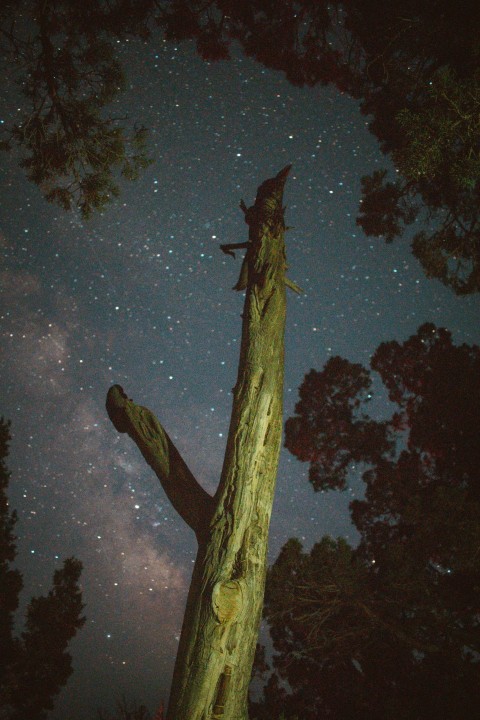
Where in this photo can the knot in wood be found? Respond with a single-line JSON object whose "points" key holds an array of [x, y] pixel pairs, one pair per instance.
{"points": [[227, 601]]}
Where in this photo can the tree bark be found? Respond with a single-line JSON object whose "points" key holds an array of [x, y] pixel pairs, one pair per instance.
{"points": [[222, 617]]}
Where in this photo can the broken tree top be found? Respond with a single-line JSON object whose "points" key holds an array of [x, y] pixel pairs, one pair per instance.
{"points": [[271, 190], [267, 211]]}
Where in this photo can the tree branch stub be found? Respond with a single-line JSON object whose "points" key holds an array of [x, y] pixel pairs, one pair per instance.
{"points": [[187, 496]]}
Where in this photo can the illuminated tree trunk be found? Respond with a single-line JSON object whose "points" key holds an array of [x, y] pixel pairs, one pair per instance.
{"points": [[220, 627]]}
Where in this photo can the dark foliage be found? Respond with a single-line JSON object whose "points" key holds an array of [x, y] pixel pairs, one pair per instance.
{"points": [[328, 429], [390, 628], [35, 666], [65, 66], [414, 67], [129, 711], [10, 578]]}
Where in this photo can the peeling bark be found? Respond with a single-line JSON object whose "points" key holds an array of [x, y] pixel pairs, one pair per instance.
{"points": [[222, 617]]}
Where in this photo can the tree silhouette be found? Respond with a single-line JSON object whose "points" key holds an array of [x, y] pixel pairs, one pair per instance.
{"points": [[329, 430], [389, 628], [132, 711], [35, 666], [414, 67], [127, 711], [67, 73]]}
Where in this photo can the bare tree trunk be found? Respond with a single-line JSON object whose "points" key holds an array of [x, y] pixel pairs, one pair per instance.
{"points": [[220, 628]]}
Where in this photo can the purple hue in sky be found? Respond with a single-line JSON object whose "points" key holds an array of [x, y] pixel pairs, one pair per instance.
{"points": [[141, 296]]}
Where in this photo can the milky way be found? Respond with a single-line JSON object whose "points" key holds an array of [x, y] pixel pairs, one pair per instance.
{"points": [[141, 296]]}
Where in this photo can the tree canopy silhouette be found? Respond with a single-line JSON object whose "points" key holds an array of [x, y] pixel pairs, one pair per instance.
{"points": [[389, 628], [67, 72], [415, 69], [34, 666], [413, 66]]}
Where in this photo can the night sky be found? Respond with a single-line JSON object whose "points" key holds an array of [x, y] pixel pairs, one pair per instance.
{"points": [[141, 296]]}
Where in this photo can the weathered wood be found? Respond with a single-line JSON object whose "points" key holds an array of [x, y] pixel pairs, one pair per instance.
{"points": [[187, 496], [222, 617]]}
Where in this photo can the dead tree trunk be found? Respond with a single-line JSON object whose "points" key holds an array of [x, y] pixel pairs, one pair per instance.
{"points": [[220, 627]]}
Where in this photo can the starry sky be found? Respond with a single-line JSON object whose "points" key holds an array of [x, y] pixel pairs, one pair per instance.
{"points": [[141, 296]]}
